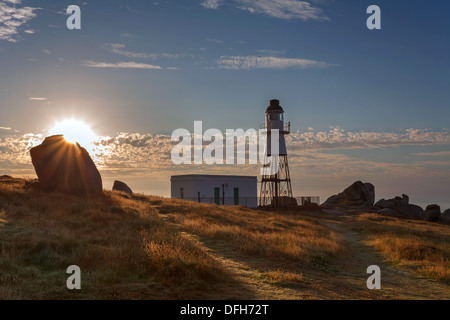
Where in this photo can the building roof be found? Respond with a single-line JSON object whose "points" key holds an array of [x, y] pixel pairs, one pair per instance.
{"points": [[212, 177]]}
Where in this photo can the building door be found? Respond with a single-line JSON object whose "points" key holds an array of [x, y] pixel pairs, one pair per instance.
{"points": [[217, 196], [236, 196]]}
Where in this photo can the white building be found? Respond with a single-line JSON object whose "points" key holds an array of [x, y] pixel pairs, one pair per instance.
{"points": [[218, 189]]}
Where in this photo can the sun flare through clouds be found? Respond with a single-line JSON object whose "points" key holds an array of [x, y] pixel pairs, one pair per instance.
{"points": [[75, 131]]}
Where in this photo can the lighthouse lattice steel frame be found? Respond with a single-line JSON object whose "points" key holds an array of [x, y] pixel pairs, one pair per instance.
{"points": [[276, 189]]}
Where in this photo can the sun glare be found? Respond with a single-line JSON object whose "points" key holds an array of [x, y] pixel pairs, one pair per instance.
{"points": [[75, 131]]}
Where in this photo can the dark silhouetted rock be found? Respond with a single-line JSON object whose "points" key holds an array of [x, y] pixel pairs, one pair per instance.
{"points": [[432, 213], [65, 167], [402, 206], [393, 203], [445, 217], [390, 213], [358, 194], [121, 186], [411, 211], [385, 204]]}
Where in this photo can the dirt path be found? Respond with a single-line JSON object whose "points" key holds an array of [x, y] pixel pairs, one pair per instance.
{"points": [[345, 279], [395, 283], [251, 280]]}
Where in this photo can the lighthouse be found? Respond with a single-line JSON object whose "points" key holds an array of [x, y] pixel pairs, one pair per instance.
{"points": [[276, 189]]}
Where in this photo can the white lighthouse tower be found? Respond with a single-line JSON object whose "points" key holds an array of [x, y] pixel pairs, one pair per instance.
{"points": [[276, 189]]}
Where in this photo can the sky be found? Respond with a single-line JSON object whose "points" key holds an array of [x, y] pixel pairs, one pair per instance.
{"points": [[369, 105]]}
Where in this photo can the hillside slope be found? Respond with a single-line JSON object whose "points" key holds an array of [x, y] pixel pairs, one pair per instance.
{"points": [[144, 247]]}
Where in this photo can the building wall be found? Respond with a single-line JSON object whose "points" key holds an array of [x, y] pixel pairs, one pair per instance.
{"points": [[205, 184]]}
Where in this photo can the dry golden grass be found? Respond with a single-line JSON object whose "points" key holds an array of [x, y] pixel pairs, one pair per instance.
{"points": [[123, 248], [144, 247], [419, 246], [282, 276], [286, 236], [126, 248]]}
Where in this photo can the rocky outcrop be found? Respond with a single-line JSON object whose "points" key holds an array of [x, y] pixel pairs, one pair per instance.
{"points": [[445, 217], [358, 194], [411, 211], [122, 186], [390, 213], [65, 167], [432, 213], [401, 206]]}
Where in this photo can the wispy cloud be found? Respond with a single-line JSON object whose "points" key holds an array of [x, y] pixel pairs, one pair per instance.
{"points": [[433, 154], [212, 4], [281, 9], [12, 18], [120, 49], [214, 40], [267, 62], [37, 99], [5, 128], [126, 35], [271, 52], [120, 65]]}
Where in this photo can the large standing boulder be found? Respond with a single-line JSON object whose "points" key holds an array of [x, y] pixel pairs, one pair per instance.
{"points": [[358, 194], [432, 213], [445, 217], [65, 167], [122, 186]]}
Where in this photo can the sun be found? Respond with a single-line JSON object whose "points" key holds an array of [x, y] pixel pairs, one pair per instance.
{"points": [[75, 131]]}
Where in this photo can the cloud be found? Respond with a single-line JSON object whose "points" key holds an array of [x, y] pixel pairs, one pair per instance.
{"points": [[120, 65], [269, 62], [212, 4], [281, 9], [146, 157], [12, 18], [119, 48], [433, 154], [271, 52], [146, 150], [38, 99], [126, 35], [337, 138], [149, 152], [14, 149]]}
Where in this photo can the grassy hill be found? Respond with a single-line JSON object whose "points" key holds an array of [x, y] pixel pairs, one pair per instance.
{"points": [[145, 247]]}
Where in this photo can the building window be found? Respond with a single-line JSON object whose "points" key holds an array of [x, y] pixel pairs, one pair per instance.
{"points": [[182, 193]]}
